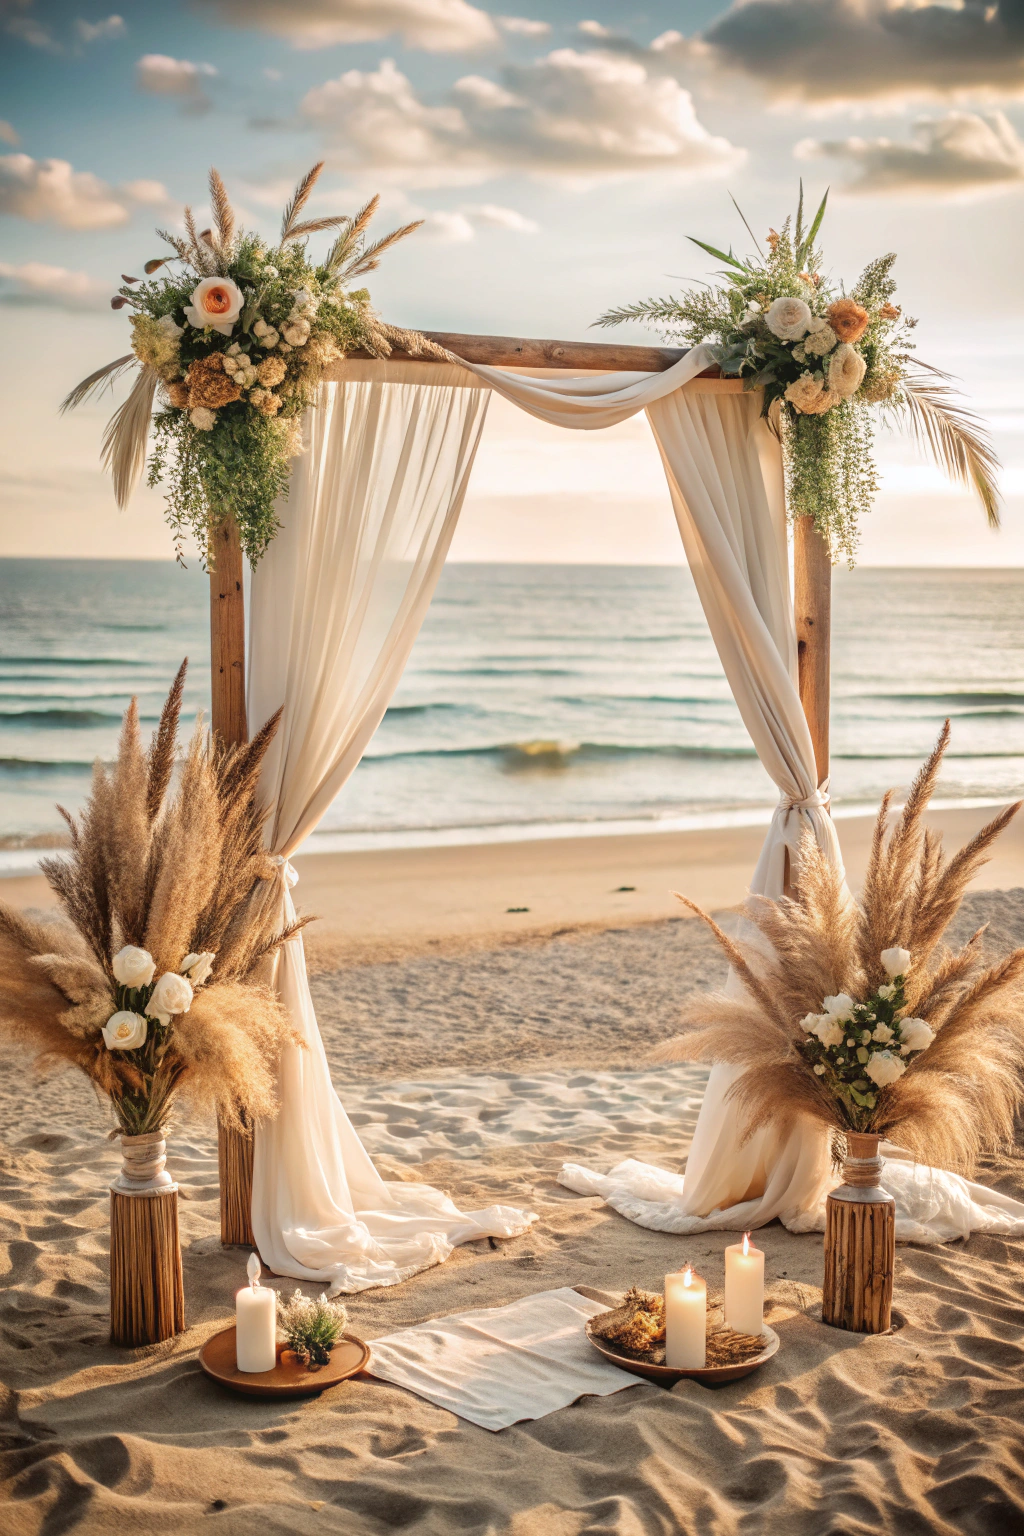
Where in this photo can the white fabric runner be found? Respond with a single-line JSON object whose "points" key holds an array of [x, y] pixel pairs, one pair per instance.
{"points": [[335, 609], [502, 1364]]}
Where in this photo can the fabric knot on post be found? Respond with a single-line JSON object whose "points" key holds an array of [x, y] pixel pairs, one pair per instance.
{"points": [[286, 870], [819, 799]]}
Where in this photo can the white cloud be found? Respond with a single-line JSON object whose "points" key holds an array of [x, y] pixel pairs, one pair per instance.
{"points": [[848, 50], [52, 191], [497, 217], [33, 282], [8, 133], [95, 31], [961, 152], [522, 26], [161, 75], [439, 26], [580, 115], [447, 228], [595, 29]]}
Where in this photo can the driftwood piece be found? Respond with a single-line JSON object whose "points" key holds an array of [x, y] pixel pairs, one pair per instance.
{"points": [[147, 1299], [860, 1252]]}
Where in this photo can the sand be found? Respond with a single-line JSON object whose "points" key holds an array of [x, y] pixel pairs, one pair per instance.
{"points": [[479, 1056]]}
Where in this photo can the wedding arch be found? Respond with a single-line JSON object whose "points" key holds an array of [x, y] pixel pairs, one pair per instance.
{"points": [[336, 604]]}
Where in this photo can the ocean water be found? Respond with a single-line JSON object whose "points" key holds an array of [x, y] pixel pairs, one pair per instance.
{"points": [[538, 699]]}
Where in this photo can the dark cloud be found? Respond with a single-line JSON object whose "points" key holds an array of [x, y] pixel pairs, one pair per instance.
{"points": [[829, 50]]}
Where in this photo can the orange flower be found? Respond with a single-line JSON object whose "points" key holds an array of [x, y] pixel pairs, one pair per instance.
{"points": [[890, 311], [177, 393], [848, 319]]}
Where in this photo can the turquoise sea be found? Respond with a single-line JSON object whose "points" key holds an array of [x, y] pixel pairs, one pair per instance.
{"points": [[539, 699]]}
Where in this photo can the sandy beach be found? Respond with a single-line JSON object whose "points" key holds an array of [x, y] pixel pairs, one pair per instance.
{"points": [[478, 1048]]}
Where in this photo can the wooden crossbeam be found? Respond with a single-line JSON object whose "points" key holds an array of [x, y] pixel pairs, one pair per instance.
{"points": [[527, 352]]}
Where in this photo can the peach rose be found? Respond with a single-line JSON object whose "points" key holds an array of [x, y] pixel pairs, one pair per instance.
{"points": [[216, 302], [848, 319]]}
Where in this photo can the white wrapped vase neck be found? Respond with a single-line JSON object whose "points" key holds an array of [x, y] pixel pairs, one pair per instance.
{"points": [[143, 1166]]}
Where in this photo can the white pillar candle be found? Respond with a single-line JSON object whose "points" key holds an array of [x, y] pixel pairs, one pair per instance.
{"points": [[255, 1323], [744, 1287], [686, 1320]]}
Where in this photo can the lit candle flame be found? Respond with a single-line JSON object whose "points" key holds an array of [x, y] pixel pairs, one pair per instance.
{"points": [[746, 1242], [688, 1275], [253, 1269]]}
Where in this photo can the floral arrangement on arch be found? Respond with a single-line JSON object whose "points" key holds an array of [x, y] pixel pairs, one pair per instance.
{"points": [[231, 342], [824, 357], [856, 1013], [152, 977]]}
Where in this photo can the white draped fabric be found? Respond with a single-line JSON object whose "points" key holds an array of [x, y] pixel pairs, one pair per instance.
{"points": [[334, 612]]}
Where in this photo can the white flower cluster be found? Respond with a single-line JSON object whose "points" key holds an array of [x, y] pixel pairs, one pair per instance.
{"points": [[134, 970], [814, 393], [865, 1040], [238, 367]]}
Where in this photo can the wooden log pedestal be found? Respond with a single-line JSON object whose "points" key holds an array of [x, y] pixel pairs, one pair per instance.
{"points": [[860, 1244], [147, 1298]]}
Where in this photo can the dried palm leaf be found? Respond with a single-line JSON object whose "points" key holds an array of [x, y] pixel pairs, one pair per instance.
{"points": [[95, 384], [298, 200], [126, 436], [956, 439]]}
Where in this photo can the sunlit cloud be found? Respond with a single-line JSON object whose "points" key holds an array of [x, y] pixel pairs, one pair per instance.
{"points": [[960, 152], [53, 192], [35, 283], [438, 26]]}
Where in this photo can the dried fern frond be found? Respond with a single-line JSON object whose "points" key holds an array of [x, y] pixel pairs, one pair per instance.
{"points": [[126, 436], [298, 201], [314, 226], [223, 217], [955, 437], [97, 382]]}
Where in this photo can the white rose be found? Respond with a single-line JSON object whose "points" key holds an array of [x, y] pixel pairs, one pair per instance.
{"points": [[125, 1031], [170, 327], [916, 1035], [271, 272], [846, 370], [829, 1031], [172, 994], [217, 302], [887, 991], [302, 297], [202, 418], [296, 334], [198, 967], [790, 319], [821, 339], [133, 967], [882, 1033], [819, 1069], [810, 1021], [884, 1068], [896, 962], [840, 1006]]}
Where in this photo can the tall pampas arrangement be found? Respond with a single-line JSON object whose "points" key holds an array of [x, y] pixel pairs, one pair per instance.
{"points": [[150, 980], [856, 1015]]}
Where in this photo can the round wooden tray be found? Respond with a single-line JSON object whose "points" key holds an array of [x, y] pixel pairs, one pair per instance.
{"points": [[290, 1377], [710, 1375]]}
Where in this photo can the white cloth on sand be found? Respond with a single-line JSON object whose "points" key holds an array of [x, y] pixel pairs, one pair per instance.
{"points": [[932, 1206], [499, 1365]]}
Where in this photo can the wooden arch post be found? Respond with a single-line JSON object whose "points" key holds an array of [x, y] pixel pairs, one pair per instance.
{"points": [[228, 719]]}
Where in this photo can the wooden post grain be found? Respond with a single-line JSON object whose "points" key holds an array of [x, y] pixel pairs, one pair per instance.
{"points": [[812, 602], [227, 684], [147, 1299]]}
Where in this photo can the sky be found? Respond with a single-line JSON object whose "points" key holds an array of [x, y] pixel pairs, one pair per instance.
{"points": [[559, 157]]}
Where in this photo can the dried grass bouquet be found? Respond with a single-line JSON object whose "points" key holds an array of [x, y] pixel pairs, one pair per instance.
{"points": [[149, 980], [311, 1327], [857, 1015]]}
